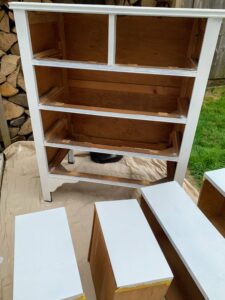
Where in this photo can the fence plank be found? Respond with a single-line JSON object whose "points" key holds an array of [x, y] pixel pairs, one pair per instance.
{"points": [[184, 3], [209, 3], [217, 70]]}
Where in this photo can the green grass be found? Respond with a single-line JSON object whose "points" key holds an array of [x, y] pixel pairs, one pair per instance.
{"points": [[208, 152]]}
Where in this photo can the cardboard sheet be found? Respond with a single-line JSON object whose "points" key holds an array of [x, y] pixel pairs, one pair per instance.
{"points": [[21, 193]]}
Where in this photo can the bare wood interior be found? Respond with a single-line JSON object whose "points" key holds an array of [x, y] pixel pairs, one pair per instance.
{"points": [[147, 95], [183, 286], [97, 177], [56, 166], [212, 204], [112, 133], [163, 41], [103, 277]]}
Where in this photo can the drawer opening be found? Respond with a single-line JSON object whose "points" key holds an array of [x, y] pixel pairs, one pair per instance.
{"points": [[133, 95], [80, 37], [122, 136], [122, 173], [163, 42]]}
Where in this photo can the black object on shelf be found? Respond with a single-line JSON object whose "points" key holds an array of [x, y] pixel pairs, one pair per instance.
{"points": [[102, 158]]}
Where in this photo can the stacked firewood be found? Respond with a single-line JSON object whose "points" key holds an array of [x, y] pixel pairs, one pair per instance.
{"points": [[12, 87]]}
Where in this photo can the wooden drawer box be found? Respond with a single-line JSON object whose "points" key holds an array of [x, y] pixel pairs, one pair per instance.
{"points": [[212, 198], [125, 259], [193, 247]]}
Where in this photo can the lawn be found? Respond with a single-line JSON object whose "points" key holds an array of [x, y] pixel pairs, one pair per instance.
{"points": [[208, 152]]}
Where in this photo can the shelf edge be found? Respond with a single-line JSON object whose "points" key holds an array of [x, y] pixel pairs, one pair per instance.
{"points": [[117, 152], [119, 10], [181, 72], [173, 120]]}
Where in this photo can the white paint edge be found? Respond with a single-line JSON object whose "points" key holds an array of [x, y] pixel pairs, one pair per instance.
{"points": [[75, 179], [60, 63], [181, 120], [117, 152], [119, 10]]}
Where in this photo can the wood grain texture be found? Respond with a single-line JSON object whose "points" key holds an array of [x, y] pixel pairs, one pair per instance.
{"points": [[103, 276], [55, 156], [109, 132], [212, 204], [101, 269], [44, 35], [197, 243], [122, 129], [130, 78], [47, 79], [162, 41], [140, 94], [183, 286], [62, 171], [91, 45], [50, 120]]}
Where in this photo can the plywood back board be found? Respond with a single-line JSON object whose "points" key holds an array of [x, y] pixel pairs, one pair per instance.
{"points": [[140, 40], [44, 31], [153, 41], [121, 129], [48, 78], [86, 37]]}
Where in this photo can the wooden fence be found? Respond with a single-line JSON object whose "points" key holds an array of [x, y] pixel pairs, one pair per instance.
{"points": [[218, 67]]}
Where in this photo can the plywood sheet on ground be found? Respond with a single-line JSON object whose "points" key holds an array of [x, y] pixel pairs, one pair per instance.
{"points": [[21, 193]]}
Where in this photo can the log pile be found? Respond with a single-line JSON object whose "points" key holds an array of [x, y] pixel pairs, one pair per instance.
{"points": [[12, 87]]}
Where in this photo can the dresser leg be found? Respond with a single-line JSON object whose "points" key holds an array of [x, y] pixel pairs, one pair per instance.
{"points": [[47, 196], [71, 159]]}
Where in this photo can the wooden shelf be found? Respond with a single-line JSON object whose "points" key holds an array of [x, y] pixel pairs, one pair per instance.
{"points": [[121, 100], [198, 272], [48, 102], [58, 136], [56, 169], [212, 198], [60, 63], [112, 180], [49, 53], [116, 113], [169, 154]]}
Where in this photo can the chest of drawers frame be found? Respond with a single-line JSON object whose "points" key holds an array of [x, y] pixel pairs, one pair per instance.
{"points": [[111, 79]]}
